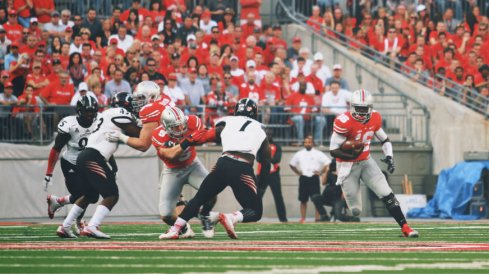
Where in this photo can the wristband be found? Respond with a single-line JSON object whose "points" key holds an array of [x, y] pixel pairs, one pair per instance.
{"points": [[123, 138], [185, 144]]}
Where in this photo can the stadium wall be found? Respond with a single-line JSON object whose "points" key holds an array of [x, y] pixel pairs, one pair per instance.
{"points": [[453, 128], [22, 168]]}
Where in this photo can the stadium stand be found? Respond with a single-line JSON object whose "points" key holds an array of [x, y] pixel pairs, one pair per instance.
{"points": [[232, 53]]}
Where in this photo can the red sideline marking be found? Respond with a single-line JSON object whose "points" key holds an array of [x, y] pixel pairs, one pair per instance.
{"points": [[15, 223], [249, 246]]}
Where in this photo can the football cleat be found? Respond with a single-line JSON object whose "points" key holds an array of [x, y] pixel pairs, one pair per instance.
{"points": [[78, 227], [65, 233], [53, 205], [93, 233], [408, 232], [169, 234], [207, 227], [187, 232], [227, 221]]}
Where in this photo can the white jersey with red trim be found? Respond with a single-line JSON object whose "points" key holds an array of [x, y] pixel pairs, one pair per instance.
{"points": [[151, 112], [241, 134], [352, 129], [161, 138], [106, 123]]}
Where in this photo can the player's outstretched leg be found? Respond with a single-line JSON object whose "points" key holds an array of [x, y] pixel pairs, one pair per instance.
{"points": [[392, 205]]}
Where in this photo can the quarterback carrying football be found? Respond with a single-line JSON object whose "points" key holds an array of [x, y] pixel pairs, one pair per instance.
{"points": [[362, 123]]}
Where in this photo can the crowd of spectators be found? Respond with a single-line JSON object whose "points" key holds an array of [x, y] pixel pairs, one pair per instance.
{"points": [[433, 39], [209, 56]]}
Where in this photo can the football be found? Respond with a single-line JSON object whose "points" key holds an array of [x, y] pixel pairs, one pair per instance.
{"points": [[351, 145]]}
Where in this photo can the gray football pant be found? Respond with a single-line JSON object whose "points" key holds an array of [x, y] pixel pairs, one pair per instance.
{"points": [[369, 172], [172, 181]]}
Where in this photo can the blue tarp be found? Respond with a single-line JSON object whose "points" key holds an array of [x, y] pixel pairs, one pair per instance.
{"points": [[453, 192]]}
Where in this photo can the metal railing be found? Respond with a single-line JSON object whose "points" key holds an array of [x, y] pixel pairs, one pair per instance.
{"points": [[438, 83], [409, 126]]}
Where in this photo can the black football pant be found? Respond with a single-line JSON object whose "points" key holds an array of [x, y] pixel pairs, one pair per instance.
{"points": [[235, 174], [273, 180]]}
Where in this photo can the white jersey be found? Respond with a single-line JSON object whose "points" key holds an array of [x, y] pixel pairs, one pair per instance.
{"points": [[242, 134], [79, 136], [105, 124]]}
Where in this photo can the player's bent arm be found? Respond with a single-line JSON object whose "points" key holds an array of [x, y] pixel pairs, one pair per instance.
{"points": [[143, 141], [296, 171], [265, 156], [335, 148], [386, 143], [170, 153], [60, 141]]}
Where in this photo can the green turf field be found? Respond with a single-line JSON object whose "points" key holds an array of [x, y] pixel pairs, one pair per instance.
{"points": [[261, 248]]}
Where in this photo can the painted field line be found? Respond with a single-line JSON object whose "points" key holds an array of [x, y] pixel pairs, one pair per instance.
{"points": [[249, 246], [221, 257], [360, 268]]}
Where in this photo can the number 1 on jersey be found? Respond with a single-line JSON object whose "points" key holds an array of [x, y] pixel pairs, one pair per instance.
{"points": [[245, 125]]}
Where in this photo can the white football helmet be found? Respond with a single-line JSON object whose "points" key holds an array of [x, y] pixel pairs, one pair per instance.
{"points": [[174, 122], [361, 105], [145, 92]]}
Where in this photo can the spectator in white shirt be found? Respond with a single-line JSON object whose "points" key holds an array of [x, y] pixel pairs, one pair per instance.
{"points": [[335, 102], [323, 72], [82, 90], [206, 23], [301, 79], [124, 40]]}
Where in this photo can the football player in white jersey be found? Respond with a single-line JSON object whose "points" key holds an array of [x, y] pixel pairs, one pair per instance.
{"points": [[94, 171], [242, 139], [73, 132]]}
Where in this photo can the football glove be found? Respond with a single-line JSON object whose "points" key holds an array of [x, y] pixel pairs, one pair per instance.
{"points": [[390, 164], [47, 182], [115, 136]]}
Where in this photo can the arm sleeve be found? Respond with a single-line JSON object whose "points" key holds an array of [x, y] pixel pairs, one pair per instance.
{"points": [[52, 159], [336, 141]]}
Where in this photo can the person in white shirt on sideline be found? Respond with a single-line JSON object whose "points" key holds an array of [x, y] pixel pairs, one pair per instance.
{"points": [[309, 164]]}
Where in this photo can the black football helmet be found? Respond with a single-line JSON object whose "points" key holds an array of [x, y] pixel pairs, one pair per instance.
{"points": [[122, 100], [246, 107], [86, 109]]}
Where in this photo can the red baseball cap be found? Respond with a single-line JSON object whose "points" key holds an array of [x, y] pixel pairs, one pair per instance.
{"points": [[193, 70], [296, 39], [206, 13], [43, 43], [9, 84], [12, 12], [14, 44], [172, 77], [113, 41], [5, 73]]}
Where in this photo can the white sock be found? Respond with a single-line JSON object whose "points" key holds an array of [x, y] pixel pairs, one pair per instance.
{"points": [[64, 200], [98, 216], [179, 224], [238, 216], [72, 215]]}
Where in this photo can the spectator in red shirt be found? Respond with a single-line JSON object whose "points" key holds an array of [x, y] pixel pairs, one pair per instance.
{"points": [[250, 6], [43, 10], [301, 105], [315, 21], [12, 28], [58, 93], [250, 88], [36, 79], [26, 110]]}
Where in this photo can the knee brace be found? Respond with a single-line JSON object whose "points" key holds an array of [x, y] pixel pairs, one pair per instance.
{"points": [[390, 201]]}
